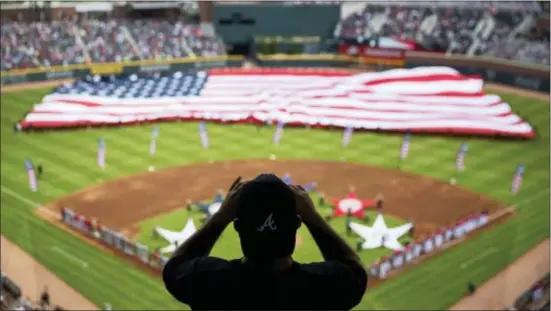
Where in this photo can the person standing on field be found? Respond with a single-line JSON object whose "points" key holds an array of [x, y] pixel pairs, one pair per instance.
{"points": [[321, 200], [45, 299], [347, 223], [39, 170], [266, 213]]}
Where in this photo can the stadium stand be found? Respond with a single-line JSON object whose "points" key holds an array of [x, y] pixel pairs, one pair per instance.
{"points": [[98, 37], [106, 41], [161, 39], [111, 40], [498, 29], [504, 30], [39, 44]]}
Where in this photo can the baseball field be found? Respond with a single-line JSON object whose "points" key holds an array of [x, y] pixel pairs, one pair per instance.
{"points": [[183, 169]]}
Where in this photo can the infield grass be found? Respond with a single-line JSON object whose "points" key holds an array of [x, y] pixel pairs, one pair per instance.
{"points": [[228, 244], [69, 159]]}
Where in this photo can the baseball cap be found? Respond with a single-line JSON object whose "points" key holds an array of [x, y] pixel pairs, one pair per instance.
{"points": [[266, 200], [266, 209]]}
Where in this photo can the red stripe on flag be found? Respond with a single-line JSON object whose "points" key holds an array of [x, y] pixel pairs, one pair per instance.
{"points": [[427, 78]]}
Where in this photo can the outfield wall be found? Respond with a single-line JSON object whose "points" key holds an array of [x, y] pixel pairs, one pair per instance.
{"points": [[527, 76]]}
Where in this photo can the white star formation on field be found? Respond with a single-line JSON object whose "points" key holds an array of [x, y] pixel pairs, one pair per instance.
{"points": [[214, 207], [379, 235], [175, 237]]}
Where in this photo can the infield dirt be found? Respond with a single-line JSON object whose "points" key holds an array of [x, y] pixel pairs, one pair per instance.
{"points": [[121, 204]]}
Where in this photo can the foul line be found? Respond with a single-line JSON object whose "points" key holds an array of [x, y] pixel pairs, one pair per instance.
{"points": [[18, 196], [523, 203], [515, 206], [70, 256], [479, 257], [27, 201]]}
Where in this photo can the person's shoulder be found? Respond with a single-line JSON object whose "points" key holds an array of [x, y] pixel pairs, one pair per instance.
{"points": [[195, 281], [201, 273], [182, 265], [336, 285], [331, 267], [215, 264]]}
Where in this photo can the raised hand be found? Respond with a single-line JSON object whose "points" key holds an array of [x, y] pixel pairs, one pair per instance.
{"points": [[305, 207], [227, 210]]}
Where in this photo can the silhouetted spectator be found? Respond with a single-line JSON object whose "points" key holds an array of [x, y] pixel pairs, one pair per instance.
{"points": [[266, 214]]}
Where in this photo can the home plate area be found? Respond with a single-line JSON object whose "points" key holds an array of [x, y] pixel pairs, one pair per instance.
{"points": [[393, 221]]}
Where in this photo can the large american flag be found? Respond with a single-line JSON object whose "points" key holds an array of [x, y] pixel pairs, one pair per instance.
{"points": [[426, 99]]}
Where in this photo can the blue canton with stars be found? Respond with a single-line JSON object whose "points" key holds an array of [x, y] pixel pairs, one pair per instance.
{"points": [[133, 86]]}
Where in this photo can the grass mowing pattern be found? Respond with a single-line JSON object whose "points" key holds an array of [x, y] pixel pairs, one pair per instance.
{"points": [[69, 160]]}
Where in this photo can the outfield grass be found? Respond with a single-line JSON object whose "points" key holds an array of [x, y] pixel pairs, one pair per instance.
{"points": [[69, 161], [306, 251]]}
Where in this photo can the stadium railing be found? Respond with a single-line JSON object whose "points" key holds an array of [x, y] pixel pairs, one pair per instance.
{"points": [[528, 76]]}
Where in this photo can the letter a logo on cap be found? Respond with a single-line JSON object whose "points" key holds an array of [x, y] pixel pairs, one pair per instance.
{"points": [[269, 223]]}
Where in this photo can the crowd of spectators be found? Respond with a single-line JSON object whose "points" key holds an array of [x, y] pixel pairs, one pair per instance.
{"points": [[62, 43], [160, 39], [440, 26], [532, 47], [207, 47], [520, 49], [38, 44], [479, 30], [106, 41], [460, 29]]}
